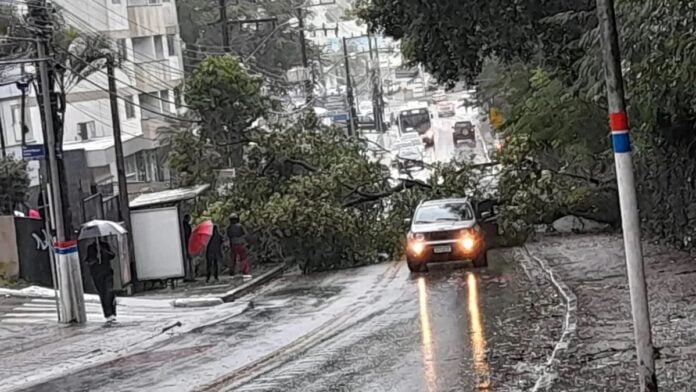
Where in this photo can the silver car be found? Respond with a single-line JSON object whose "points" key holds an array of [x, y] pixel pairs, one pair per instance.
{"points": [[445, 230]]}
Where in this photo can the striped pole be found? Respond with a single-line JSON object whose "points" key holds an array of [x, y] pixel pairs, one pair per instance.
{"points": [[71, 307], [630, 221]]}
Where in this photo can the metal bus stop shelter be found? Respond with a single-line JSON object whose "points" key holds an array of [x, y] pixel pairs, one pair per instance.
{"points": [[158, 236]]}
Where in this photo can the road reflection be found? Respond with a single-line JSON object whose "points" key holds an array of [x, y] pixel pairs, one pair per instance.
{"points": [[477, 333], [427, 337]]}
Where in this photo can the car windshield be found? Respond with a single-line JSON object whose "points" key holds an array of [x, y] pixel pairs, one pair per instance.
{"points": [[452, 212], [463, 124]]}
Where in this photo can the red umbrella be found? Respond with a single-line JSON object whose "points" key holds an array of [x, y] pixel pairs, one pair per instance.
{"points": [[200, 235]]}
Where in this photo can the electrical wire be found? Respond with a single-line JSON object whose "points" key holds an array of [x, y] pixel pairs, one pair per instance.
{"points": [[122, 82], [103, 122], [131, 102]]}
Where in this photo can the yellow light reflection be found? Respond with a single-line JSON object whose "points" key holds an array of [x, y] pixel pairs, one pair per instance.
{"points": [[427, 337], [478, 337]]}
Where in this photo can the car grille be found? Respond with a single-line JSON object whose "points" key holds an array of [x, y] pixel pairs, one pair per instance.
{"points": [[442, 235]]}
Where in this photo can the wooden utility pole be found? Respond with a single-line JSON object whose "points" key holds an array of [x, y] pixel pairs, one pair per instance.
{"points": [[349, 92], [124, 207], [224, 26]]}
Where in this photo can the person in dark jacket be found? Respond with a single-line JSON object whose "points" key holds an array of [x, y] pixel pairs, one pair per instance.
{"points": [[99, 261], [236, 233], [213, 253], [187, 237]]}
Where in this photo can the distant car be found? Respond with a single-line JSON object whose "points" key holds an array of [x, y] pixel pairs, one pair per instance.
{"points": [[446, 230], [439, 96], [366, 123], [464, 130], [409, 157], [446, 109]]}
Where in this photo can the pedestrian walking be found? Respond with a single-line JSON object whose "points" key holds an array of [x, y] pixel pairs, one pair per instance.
{"points": [[236, 233], [187, 236], [98, 259], [213, 253]]}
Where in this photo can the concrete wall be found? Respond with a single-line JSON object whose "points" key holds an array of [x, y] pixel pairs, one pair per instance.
{"points": [[9, 258]]}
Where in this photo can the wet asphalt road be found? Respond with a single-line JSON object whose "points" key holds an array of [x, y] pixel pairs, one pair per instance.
{"points": [[376, 328]]}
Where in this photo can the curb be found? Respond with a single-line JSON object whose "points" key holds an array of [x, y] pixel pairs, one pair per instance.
{"points": [[569, 325], [242, 290], [197, 302]]}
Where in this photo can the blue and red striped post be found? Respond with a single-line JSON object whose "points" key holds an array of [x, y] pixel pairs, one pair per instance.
{"points": [[630, 222], [71, 308]]}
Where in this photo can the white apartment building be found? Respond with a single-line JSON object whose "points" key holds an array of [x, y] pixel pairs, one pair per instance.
{"points": [[145, 33]]}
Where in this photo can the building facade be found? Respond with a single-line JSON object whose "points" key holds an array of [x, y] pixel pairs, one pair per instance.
{"points": [[145, 34]]}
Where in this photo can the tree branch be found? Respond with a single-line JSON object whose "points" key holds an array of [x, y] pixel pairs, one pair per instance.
{"points": [[368, 197]]}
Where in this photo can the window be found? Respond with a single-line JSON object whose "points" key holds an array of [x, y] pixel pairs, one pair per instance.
{"points": [[159, 47], [154, 2], [131, 168], [171, 46], [454, 212], [87, 130], [130, 107], [122, 49], [166, 102]]}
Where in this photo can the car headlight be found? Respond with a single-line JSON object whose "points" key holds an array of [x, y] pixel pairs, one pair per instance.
{"points": [[416, 236], [468, 242]]}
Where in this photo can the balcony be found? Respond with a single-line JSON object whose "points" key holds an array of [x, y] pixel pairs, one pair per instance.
{"points": [[146, 17], [152, 75]]}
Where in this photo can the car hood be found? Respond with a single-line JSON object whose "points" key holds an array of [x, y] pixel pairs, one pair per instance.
{"points": [[441, 226]]}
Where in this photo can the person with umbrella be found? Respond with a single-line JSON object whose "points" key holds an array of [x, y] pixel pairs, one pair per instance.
{"points": [[98, 259], [213, 253], [99, 256]]}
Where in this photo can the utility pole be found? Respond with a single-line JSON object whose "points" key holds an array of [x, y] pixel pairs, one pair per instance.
{"points": [[380, 90], [68, 273], [349, 92], [124, 207], [224, 26], [23, 107], [618, 121], [2, 141], [309, 83], [374, 78]]}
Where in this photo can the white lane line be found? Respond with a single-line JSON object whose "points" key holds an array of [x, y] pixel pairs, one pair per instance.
{"points": [[569, 325]]}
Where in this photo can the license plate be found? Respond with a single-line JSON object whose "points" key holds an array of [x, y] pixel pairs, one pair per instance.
{"points": [[442, 249]]}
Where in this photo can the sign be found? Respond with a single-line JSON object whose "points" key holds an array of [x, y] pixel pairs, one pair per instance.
{"points": [[33, 151], [298, 74], [496, 118], [338, 117]]}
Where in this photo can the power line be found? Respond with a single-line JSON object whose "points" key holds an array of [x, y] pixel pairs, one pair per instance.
{"points": [[133, 103], [122, 82], [99, 120]]}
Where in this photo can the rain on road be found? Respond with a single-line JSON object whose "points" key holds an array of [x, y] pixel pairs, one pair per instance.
{"points": [[376, 328]]}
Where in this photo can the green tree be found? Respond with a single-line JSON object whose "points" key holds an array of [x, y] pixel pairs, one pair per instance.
{"points": [[453, 38], [315, 197], [14, 183], [228, 101]]}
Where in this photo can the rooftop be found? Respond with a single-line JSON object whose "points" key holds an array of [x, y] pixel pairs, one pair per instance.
{"points": [[168, 196]]}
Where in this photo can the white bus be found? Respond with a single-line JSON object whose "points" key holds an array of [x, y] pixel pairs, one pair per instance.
{"points": [[416, 120]]}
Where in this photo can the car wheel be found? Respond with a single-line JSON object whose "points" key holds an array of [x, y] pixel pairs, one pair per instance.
{"points": [[481, 260], [415, 266]]}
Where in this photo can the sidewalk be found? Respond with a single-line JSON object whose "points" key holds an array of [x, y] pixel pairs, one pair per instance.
{"points": [[36, 347], [601, 355]]}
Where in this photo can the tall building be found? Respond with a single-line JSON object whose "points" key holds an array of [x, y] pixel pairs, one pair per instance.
{"points": [[145, 34]]}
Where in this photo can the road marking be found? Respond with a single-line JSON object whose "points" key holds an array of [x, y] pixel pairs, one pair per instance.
{"points": [[569, 325]]}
